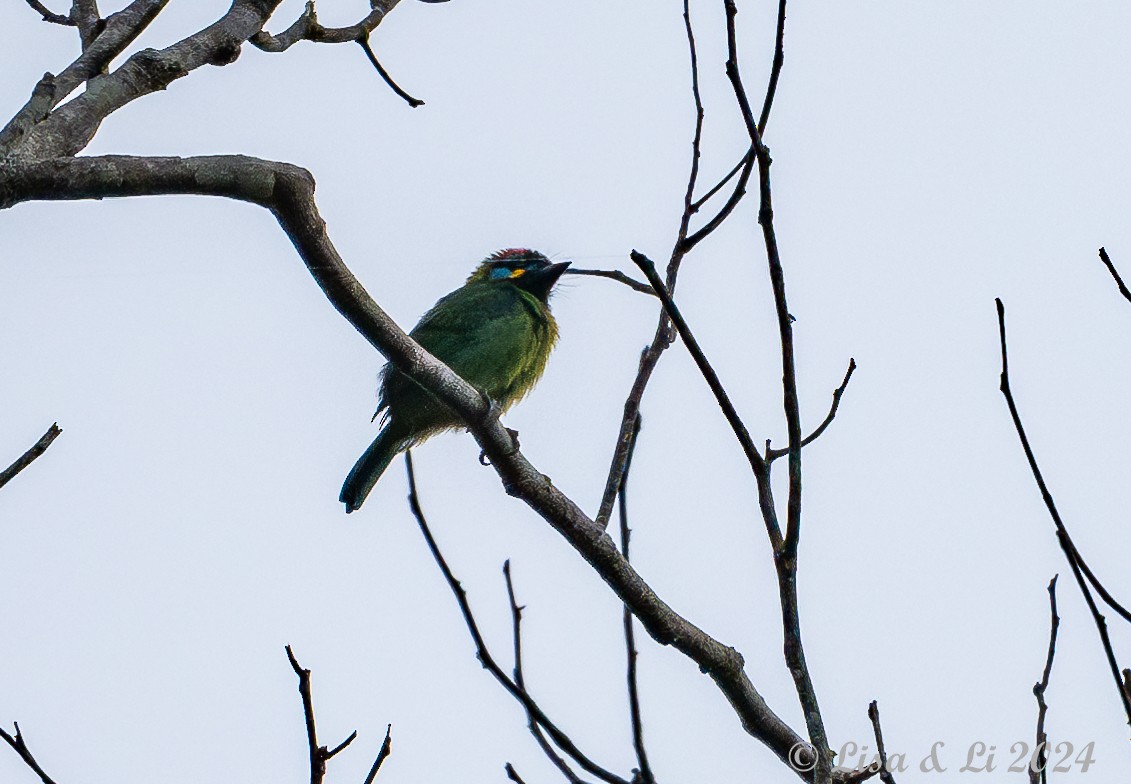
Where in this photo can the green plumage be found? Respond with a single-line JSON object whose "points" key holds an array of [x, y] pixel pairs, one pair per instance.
{"points": [[496, 332]]}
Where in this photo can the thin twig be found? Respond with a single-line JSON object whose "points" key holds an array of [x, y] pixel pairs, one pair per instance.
{"points": [[318, 754], [736, 196], [616, 275], [746, 157], [484, 655], [1037, 774], [757, 464], [775, 69], [386, 750], [520, 681], [1115, 274], [21, 748], [24, 460], [1061, 531], [874, 715], [644, 770], [49, 15], [512, 774], [785, 560], [662, 337], [364, 43], [774, 454]]}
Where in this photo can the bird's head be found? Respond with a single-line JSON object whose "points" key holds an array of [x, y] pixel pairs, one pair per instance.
{"points": [[527, 269]]}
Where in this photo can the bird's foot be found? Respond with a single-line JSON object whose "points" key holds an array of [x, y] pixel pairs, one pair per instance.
{"points": [[484, 460]]}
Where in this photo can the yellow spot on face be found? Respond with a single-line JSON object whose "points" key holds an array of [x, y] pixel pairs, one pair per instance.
{"points": [[518, 273]]}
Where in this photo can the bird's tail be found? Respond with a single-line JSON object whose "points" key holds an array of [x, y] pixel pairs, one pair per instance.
{"points": [[369, 467]]}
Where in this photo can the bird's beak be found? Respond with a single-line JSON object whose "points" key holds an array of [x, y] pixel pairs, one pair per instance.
{"points": [[540, 282]]}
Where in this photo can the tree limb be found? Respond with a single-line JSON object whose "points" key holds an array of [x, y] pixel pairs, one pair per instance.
{"points": [[24, 460]]}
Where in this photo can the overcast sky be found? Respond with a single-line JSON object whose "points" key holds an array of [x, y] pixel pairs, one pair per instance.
{"points": [[185, 527]]}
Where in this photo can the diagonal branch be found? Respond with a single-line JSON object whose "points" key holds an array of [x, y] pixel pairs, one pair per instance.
{"points": [[662, 337], [1115, 274], [50, 16], [21, 748], [774, 454], [288, 192], [87, 19], [757, 464], [382, 755], [24, 460], [1061, 532], [483, 653], [520, 681]]}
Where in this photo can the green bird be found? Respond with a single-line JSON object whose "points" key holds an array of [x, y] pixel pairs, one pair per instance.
{"points": [[496, 332]]}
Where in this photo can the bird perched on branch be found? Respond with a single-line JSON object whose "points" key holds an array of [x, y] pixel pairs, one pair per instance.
{"points": [[496, 332]]}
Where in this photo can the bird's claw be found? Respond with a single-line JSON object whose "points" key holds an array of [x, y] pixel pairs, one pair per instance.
{"points": [[484, 460]]}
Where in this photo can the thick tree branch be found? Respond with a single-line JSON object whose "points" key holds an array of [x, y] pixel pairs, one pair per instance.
{"points": [[24, 460], [1066, 544], [68, 129], [118, 32], [288, 192], [87, 19]]}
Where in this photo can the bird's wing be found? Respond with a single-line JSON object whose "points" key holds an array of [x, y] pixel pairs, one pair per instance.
{"points": [[486, 334]]}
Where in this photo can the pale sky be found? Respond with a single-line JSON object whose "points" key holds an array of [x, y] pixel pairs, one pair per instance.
{"points": [[185, 527]]}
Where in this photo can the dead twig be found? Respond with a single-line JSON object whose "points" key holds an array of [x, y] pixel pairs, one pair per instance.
{"points": [[24, 460]]}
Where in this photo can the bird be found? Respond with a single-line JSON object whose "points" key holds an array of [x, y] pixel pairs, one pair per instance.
{"points": [[496, 332]]}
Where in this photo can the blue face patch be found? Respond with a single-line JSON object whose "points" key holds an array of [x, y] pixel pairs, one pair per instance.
{"points": [[499, 273]]}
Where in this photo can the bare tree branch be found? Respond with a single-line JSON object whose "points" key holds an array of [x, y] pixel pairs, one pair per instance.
{"points": [[1115, 274], [644, 771], [774, 454], [118, 32], [785, 558], [50, 16], [382, 755], [21, 748], [412, 102], [1061, 531], [757, 463], [662, 338], [775, 69], [288, 192], [484, 654], [881, 752], [24, 460], [520, 681], [1037, 773], [512, 774], [87, 19], [319, 755]]}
